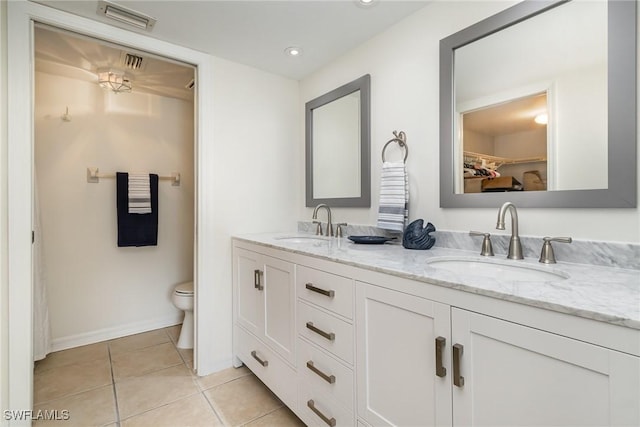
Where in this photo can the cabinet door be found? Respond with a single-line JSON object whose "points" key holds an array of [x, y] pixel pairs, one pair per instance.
{"points": [[249, 289], [396, 375], [279, 302], [516, 375]]}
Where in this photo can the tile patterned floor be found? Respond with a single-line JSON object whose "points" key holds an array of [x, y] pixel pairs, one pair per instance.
{"points": [[144, 380]]}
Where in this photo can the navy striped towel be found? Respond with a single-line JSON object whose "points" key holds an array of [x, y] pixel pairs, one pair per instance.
{"points": [[139, 193], [393, 212]]}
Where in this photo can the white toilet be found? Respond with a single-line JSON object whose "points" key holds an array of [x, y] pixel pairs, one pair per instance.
{"points": [[183, 299]]}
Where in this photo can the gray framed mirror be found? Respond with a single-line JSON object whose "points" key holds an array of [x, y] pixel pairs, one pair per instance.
{"points": [[582, 77], [337, 146]]}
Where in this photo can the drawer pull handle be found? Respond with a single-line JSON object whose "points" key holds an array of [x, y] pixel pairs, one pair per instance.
{"points": [[328, 335], [328, 378], [256, 280], [260, 361], [441, 371], [324, 292], [458, 379], [330, 421]]}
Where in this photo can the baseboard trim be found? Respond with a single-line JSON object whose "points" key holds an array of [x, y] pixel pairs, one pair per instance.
{"points": [[114, 332]]}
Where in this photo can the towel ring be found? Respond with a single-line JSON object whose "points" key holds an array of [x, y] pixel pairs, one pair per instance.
{"points": [[401, 139]]}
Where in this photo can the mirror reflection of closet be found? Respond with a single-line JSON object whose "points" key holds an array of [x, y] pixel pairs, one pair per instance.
{"points": [[504, 145]]}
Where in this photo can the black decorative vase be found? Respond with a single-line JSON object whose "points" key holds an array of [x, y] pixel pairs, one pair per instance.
{"points": [[417, 237]]}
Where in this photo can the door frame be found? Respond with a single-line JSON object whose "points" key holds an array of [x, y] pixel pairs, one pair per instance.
{"points": [[20, 93]]}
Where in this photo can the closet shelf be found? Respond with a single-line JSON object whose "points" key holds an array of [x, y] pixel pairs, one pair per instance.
{"points": [[485, 159]]}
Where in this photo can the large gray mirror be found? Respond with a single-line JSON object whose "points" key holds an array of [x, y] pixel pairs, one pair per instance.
{"points": [[538, 107], [337, 146]]}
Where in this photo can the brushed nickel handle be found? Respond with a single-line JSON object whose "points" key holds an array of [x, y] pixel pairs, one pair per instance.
{"points": [[441, 371], [328, 335], [324, 292], [330, 421], [256, 280], [328, 378], [260, 361], [458, 379]]}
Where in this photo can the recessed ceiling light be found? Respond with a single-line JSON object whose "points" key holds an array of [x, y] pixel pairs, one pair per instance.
{"points": [[541, 119], [293, 51]]}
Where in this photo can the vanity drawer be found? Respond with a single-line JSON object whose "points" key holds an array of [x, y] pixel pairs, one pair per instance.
{"points": [[325, 330], [321, 410], [324, 373], [267, 366], [333, 292]]}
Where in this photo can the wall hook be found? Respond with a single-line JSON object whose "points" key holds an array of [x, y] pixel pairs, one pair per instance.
{"points": [[66, 117]]}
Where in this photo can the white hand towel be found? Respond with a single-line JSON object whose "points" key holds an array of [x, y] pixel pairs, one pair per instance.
{"points": [[393, 212], [139, 193]]}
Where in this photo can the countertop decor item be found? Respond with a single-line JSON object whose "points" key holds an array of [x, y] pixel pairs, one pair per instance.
{"points": [[417, 237], [370, 240]]}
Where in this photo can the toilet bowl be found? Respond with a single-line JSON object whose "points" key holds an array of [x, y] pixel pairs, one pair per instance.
{"points": [[183, 299]]}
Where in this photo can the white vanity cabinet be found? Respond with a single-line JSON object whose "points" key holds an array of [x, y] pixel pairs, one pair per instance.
{"points": [[264, 317], [511, 374], [325, 348], [347, 345], [403, 372]]}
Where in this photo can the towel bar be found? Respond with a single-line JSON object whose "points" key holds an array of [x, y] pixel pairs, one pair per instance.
{"points": [[401, 139], [93, 176]]}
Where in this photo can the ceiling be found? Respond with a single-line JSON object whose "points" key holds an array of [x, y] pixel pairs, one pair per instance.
{"points": [[256, 33]]}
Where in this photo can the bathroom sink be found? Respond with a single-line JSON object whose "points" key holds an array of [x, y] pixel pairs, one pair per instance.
{"points": [[302, 239], [504, 270]]}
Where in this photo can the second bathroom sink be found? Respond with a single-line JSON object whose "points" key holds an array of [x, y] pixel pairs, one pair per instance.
{"points": [[511, 271]]}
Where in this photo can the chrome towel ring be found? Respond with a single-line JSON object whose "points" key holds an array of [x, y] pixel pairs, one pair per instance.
{"points": [[401, 139]]}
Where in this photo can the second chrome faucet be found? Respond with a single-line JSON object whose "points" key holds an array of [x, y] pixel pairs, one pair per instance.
{"points": [[515, 247], [329, 230]]}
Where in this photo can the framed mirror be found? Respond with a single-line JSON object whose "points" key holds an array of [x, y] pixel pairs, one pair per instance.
{"points": [[538, 107], [337, 146]]}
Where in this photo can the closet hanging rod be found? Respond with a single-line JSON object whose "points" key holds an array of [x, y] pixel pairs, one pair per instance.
{"points": [[94, 175]]}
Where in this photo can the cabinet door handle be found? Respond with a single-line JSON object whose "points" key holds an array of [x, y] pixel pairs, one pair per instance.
{"points": [[260, 361], [328, 335], [324, 292], [458, 379], [328, 378], [441, 371], [256, 280], [330, 421]]}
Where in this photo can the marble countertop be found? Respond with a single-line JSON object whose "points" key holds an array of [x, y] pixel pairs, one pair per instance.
{"points": [[601, 293]]}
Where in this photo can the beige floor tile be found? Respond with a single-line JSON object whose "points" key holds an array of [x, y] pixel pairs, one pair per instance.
{"points": [[221, 377], [242, 400], [143, 361], [192, 411], [138, 341], [174, 332], [60, 382], [187, 356], [91, 408], [140, 394], [282, 417], [86, 353]]}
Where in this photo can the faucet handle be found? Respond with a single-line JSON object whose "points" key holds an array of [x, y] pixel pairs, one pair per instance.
{"points": [[339, 228], [487, 247], [546, 255], [318, 228]]}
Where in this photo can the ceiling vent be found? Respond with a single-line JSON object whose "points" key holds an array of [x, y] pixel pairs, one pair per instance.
{"points": [[126, 16], [190, 85], [130, 61]]}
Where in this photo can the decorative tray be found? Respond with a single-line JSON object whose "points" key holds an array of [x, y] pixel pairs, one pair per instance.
{"points": [[370, 240]]}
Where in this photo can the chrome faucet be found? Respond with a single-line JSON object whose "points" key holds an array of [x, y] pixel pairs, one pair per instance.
{"points": [[515, 248], [329, 230]]}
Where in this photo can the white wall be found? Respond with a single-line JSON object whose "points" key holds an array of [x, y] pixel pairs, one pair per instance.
{"points": [[404, 67], [97, 290], [4, 290], [256, 169]]}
